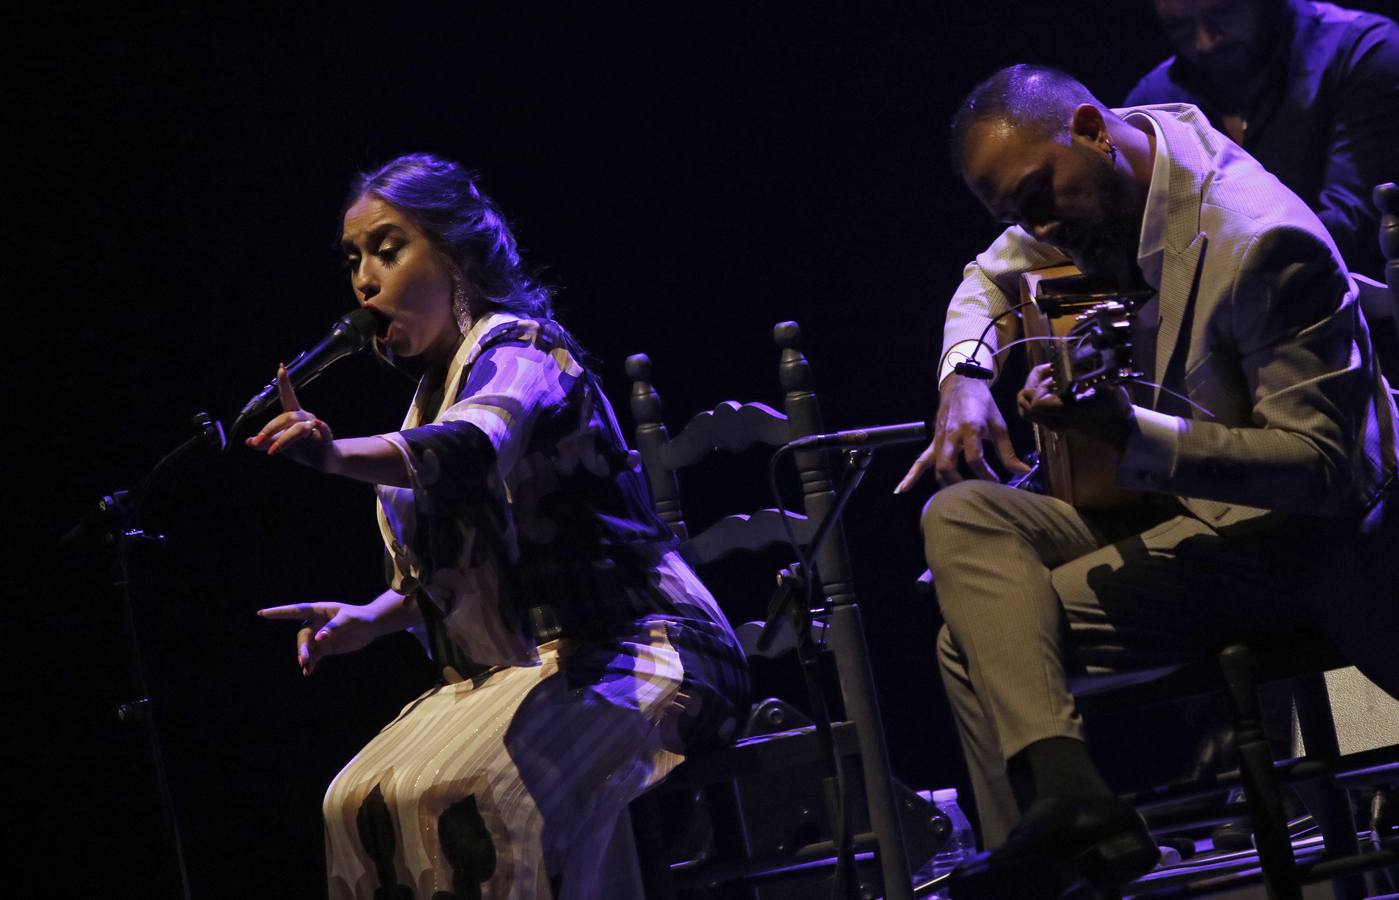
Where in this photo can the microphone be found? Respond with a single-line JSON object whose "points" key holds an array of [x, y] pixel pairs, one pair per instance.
{"points": [[351, 333], [875, 436]]}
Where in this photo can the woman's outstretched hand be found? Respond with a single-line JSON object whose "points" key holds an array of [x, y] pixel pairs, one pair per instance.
{"points": [[327, 627], [295, 432]]}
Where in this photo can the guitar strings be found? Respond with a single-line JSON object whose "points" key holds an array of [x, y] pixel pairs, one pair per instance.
{"points": [[1051, 337], [1025, 340], [1141, 381], [1176, 394]]}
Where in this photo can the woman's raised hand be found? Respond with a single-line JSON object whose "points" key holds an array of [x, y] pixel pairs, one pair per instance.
{"points": [[327, 627], [295, 432]]}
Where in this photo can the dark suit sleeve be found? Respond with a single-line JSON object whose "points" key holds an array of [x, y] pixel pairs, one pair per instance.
{"points": [[1363, 146], [1155, 87]]}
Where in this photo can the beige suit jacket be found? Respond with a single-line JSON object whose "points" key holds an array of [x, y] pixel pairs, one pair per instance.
{"points": [[1259, 324]]}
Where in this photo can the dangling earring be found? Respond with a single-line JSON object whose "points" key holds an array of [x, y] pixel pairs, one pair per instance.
{"points": [[1112, 152], [461, 309]]}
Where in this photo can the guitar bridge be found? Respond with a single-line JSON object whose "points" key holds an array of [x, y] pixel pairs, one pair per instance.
{"points": [[1082, 328], [1097, 351]]}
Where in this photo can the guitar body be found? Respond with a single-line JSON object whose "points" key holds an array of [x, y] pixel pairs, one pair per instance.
{"points": [[1078, 470]]}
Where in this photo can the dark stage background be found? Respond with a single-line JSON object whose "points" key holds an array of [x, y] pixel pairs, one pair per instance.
{"points": [[687, 174]]}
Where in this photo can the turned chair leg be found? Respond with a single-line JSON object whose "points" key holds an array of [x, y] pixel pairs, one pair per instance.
{"points": [[1259, 782], [1324, 799]]}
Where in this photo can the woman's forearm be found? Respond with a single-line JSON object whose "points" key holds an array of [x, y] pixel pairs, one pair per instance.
{"points": [[393, 612], [369, 459]]}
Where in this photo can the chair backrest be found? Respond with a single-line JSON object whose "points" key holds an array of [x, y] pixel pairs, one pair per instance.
{"points": [[734, 427]]}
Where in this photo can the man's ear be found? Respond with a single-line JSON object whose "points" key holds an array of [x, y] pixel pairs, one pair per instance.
{"points": [[1087, 124]]}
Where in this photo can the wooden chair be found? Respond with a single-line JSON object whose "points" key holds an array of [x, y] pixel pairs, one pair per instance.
{"points": [[735, 427], [1321, 776]]}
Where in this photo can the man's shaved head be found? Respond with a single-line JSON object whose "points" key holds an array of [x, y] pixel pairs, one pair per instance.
{"points": [[1033, 101]]}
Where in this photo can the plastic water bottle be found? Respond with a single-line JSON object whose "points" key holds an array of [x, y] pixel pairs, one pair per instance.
{"points": [[960, 843]]}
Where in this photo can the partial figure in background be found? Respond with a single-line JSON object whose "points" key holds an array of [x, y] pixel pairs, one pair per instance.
{"points": [[1311, 90], [580, 656]]}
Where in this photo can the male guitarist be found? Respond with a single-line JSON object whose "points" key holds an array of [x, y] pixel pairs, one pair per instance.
{"points": [[1264, 454]]}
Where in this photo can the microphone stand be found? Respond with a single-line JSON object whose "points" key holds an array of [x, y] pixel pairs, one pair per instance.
{"points": [[789, 603], [114, 518]]}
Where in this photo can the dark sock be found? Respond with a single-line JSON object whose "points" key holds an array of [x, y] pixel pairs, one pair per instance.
{"points": [[1054, 767], [1022, 785]]}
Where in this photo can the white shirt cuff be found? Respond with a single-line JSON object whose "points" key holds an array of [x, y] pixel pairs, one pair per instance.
{"points": [[1152, 449], [962, 351]]}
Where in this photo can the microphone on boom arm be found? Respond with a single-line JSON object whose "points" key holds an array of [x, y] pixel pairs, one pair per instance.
{"points": [[350, 334], [875, 436]]}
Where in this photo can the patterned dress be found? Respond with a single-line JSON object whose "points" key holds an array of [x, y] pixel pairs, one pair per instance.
{"points": [[580, 656]]}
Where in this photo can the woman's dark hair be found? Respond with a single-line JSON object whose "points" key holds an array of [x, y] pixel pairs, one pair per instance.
{"points": [[441, 197]]}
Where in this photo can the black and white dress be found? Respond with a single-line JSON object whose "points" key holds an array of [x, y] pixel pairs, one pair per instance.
{"points": [[581, 657]]}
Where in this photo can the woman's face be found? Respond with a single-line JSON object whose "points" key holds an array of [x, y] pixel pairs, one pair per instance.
{"points": [[395, 268]]}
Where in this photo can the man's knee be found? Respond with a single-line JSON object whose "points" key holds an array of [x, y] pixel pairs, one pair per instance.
{"points": [[957, 511]]}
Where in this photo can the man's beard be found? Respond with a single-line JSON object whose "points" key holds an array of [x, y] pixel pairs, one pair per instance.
{"points": [[1223, 69], [1108, 246]]}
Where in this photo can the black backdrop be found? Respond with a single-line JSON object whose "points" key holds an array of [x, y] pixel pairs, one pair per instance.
{"points": [[686, 174]]}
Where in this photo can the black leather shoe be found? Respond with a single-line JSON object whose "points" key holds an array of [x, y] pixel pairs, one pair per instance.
{"points": [[1061, 848]]}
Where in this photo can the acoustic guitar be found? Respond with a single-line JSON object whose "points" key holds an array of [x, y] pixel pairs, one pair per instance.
{"points": [[1094, 319]]}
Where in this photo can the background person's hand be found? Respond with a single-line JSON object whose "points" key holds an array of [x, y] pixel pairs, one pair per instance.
{"points": [[327, 627], [295, 432], [967, 420]]}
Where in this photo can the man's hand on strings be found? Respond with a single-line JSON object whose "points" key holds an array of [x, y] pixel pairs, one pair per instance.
{"points": [[1106, 415], [295, 433], [967, 421]]}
